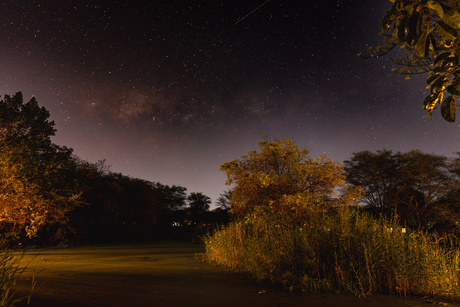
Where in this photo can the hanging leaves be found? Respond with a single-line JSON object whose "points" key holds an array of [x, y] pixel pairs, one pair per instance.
{"points": [[452, 18], [429, 32], [448, 109]]}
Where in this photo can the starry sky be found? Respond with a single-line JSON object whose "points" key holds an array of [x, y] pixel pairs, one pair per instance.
{"points": [[168, 90]]}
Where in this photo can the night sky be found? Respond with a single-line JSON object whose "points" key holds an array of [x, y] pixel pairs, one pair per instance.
{"points": [[169, 90]]}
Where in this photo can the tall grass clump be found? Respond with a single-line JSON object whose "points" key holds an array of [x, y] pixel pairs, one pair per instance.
{"points": [[349, 251], [10, 272]]}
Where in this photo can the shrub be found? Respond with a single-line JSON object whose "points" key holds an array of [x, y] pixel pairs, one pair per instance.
{"points": [[292, 228], [349, 251]]}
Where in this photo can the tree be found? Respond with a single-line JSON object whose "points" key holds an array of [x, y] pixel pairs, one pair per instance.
{"points": [[224, 201], [425, 181], [24, 123], [428, 32], [173, 197], [281, 177], [417, 187], [449, 216], [119, 207], [378, 174], [37, 192], [198, 203]]}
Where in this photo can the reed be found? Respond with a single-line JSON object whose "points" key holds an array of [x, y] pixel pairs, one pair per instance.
{"points": [[347, 252], [10, 271]]}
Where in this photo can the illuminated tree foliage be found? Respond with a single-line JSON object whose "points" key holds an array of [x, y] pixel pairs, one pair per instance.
{"points": [[283, 178], [427, 31], [37, 191]]}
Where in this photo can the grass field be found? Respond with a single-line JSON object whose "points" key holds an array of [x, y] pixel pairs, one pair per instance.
{"points": [[160, 274]]}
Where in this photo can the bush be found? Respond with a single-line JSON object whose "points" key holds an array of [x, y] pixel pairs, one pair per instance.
{"points": [[349, 251]]}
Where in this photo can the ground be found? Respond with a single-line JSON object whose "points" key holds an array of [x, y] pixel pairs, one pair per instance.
{"points": [[160, 274]]}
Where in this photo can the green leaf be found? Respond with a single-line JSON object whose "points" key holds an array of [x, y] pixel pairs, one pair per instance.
{"points": [[412, 36], [400, 27], [437, 84], [436, 80], [431, 45], [445, 30], [404, 7], [435, 6], [451, 59], [454, 89], [399, 6], [452, 18], [431, 79], [441, 57], [448, 109], [389, 18], [429, 100], [420, 48]]}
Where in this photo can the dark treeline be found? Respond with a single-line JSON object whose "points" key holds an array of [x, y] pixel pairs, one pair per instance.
{"points": [[419, 190], [50, 196]]}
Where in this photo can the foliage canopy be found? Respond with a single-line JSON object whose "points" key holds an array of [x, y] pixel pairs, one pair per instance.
{"points": [[421, 189], [37, 191], [427, 31], [282, 177]]}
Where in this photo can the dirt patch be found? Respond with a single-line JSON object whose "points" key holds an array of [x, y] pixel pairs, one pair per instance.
{"points": [[161, 274]]}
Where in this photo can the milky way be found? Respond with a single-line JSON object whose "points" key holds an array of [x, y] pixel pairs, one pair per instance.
{"points": [[168, 90]]}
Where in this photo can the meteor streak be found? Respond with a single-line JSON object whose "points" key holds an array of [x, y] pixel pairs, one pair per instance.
{"points": [[250, 13]]}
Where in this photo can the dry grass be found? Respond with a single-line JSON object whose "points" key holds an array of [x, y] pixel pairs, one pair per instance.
{"points": [[349, 252], [10, 271]]}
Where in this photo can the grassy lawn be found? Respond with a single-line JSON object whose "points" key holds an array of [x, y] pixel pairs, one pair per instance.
{"points": [[160, 274]]}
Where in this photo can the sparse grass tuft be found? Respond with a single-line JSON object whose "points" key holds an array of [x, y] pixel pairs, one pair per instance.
{"points": [[348, 252]]}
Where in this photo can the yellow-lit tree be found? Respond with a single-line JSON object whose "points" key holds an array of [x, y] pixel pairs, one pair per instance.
{"points": [[37, 191], [281, 177]]}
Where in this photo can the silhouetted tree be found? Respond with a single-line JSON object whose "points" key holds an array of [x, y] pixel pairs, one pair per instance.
{"points": [[419, 187], [174, 197], [120, 208], [425, 181], [198, 203], [224, 201], [378, 174]]}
